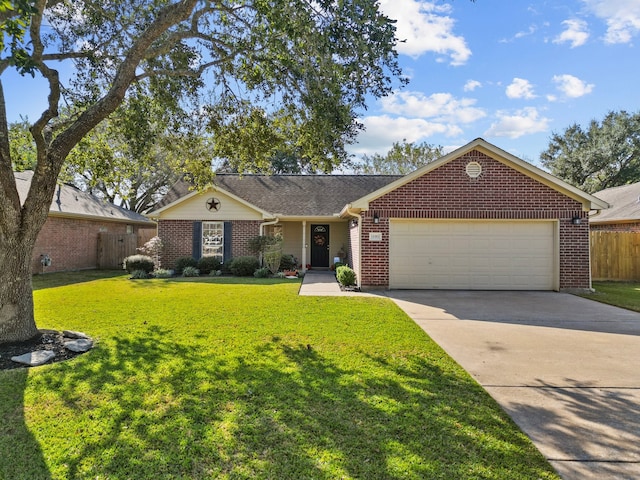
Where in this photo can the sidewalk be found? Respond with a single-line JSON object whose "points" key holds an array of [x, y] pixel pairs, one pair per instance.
{"points": [[323, 283]]}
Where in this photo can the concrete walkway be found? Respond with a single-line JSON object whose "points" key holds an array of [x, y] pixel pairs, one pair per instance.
{"points": [[566, 369], [322, 283]]}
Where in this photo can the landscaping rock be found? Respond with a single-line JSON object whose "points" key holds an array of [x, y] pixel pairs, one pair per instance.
{"points": [[80, 345], [33, 359], [72, 334]]}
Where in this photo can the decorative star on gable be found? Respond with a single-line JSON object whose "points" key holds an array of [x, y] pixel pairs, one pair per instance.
{"points": [[213, 204]]}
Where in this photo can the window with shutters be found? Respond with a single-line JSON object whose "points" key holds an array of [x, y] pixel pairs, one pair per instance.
{"points": [[213, 239]]}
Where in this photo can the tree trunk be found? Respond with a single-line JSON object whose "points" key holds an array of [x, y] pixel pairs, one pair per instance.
{"points": [[17, 321]]}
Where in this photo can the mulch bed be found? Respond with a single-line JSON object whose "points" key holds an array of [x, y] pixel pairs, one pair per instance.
{"points": [[46, 340]]}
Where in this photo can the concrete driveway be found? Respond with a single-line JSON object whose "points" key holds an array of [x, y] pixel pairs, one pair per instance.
{"points": [[566, 369]]}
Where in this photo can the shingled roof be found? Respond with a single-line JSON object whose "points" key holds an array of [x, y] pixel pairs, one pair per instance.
{"points": [[68, 201], [624, 201], [291, 195]]}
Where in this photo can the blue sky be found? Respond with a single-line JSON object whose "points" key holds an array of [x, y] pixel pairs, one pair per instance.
{"points": [[511, 72]]}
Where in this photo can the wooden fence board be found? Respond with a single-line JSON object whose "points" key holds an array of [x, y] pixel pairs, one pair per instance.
{"points": [[615, 256], [113, 248]]}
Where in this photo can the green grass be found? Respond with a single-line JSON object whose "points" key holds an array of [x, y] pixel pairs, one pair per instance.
{"points": [[242, 379], [620, 294]]}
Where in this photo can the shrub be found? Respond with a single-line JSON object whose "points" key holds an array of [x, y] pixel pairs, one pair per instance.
{"points": [[337, 265], [183, 262], [208, 264], [288, 262], [138, 262], [261, 272], [346, 276], [190, 271], [162, 273], [244, 266], [139, 275]]}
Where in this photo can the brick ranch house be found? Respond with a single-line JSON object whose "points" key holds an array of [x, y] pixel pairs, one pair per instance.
{"points": [[69, 237], [477, 218], [624, 212]]}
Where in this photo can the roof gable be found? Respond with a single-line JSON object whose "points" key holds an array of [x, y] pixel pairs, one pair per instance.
{"points": [[589, 202], [286, 195], [624, 201]]}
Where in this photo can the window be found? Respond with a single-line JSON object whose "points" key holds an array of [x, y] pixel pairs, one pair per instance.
{"points": [[275, 231], [213, 239]]}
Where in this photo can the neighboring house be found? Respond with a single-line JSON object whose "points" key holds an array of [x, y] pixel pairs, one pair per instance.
{"points": [[477, 218], [69, 237], [624, 213]]}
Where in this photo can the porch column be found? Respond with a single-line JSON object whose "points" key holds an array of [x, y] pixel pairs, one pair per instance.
{"points": [[304, 246]]}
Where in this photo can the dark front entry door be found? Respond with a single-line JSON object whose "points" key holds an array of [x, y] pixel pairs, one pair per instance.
{"points": [[319, 246]]}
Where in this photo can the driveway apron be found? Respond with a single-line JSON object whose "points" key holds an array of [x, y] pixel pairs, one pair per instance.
{"points": [[565, 368]]}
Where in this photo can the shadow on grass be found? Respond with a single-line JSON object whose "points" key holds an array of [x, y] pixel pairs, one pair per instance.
{"points": [[156, 406], [20, 454], [60, 279]]}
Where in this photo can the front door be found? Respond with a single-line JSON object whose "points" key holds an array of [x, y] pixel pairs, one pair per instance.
{"points": [[320, 246]]}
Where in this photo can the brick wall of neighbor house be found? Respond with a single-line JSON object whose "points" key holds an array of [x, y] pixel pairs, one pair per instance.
{"points": [[499, 193], [177, 236], [616, 227], [72, 244]]}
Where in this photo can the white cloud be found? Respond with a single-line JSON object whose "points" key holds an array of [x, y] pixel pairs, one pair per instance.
{"points": [[520, 88], [622, 18], [424, 26], [572, 86], [471, 85], [522, 122], [442, 107], [576, 33], [381, 131]]}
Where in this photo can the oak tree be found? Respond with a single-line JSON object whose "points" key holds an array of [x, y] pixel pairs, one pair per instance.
{"points": [[605, 154], [283, 76]]}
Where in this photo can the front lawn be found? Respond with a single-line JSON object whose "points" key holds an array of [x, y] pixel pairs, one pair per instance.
{"points": [[620, 294], [225, 379]]}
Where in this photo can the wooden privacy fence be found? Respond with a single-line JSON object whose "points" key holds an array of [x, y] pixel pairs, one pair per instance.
{"points": [[615, 255], [113, 248]]}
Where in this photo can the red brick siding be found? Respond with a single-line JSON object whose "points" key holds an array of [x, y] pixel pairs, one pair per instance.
{"points": [[616, 227], [241, 232], [177, 236], [500, 192], [72, 244]]}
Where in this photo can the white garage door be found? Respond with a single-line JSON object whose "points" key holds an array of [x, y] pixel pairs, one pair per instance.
{"points": [[477, 255]]}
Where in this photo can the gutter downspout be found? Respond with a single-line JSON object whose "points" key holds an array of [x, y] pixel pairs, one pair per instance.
{"points": [[358, 270]]}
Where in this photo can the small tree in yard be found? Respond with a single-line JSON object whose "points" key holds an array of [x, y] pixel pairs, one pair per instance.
{"points": [[273, 256], [153, 248]]}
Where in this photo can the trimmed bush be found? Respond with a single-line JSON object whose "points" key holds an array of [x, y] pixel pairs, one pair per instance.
{"points": [[162, 273], [244, 266], [139, 275], [183, 262], [337, 265], [190, 271], [346, 276], [288, 262], [208, 264], [262, 272], [139, 262]]}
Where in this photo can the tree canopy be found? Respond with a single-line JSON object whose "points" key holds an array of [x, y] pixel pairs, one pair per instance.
{"points": [[283, 76], [402, 158], [605, 154]]}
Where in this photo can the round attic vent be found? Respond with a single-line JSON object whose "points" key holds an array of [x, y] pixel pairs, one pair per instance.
{"points": [[473, 169]]}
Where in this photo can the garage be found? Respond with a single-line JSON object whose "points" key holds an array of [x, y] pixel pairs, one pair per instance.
{"points": [[473, 254]]}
